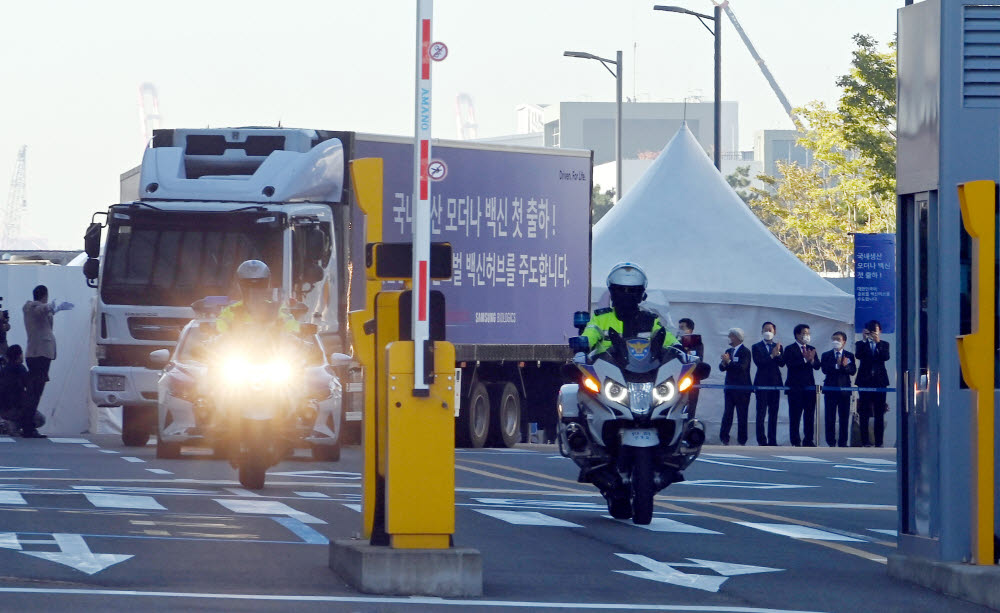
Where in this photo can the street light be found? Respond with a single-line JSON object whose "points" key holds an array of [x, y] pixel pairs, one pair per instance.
{"points": [[617, 74], [717, 33]]}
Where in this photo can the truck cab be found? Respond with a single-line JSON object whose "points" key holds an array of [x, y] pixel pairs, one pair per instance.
{"points": [[205, 201]]}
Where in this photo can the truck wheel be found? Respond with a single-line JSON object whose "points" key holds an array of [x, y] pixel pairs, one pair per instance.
{"points": [[473, 426], [137, 426], [167, 451], [505, 422], [643, 488]]}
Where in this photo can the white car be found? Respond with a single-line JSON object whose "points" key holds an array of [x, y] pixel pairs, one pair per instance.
{"points": [[186, 412]]}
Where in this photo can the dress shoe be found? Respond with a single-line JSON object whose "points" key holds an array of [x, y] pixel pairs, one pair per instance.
{"points": [[809, 444]]}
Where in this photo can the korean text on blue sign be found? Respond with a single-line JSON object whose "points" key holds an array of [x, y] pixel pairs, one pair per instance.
{"points": [[875, 281]]}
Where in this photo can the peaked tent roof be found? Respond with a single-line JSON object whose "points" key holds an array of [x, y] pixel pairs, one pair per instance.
{"points": [[699, 243]]}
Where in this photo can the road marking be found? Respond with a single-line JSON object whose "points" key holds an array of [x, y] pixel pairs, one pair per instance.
{"points": [[799, 532], [133, 459], [849, 480], [773, 470], [74, 552], [801, 458], [303, 531], [141, 490], [123, 501], [159, 471], [239, 491], [21, 469], [321, 474], [662, 524], [867, 468], [92, 445], [6, 439], [753, 485], [544, 504], [887, 532], [266, 507], [107, 451], [9, 497], [68, 440], [667, 572], [527, 518], [732, 456], [354, 507], [879, 461], [311, 494]]}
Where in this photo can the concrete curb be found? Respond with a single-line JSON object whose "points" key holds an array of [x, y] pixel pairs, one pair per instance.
{"points": [[978, 584], [455, 573]]}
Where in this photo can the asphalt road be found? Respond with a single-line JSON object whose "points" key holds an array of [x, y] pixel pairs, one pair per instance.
{"points": [[89, 525]]}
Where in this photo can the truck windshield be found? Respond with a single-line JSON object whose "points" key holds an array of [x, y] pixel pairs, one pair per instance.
{"points": [[160, 260]]}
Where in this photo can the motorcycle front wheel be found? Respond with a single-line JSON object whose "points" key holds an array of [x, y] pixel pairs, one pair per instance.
{"points": [[255, 456], [643, 488]]}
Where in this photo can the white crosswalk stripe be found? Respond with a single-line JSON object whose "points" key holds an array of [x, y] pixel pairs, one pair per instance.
{"points": [[801, 458], [527, 518], [662, 524], [878, 461], [124, 501], [798, 532]]}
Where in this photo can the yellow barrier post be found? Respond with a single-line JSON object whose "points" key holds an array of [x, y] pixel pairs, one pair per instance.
{"points": [[976, 356]]}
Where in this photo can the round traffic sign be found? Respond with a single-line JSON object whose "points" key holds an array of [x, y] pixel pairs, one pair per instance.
{"points": [[438, 51], [437, 170]]}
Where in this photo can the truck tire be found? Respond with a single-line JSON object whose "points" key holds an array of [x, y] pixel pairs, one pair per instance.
{"points": [[643, 488], [473, 427], [137, 426], [505, 416], [167, 451]]}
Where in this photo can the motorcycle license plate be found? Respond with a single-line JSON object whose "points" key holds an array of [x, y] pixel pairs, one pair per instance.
{"points": [[645, 437]]}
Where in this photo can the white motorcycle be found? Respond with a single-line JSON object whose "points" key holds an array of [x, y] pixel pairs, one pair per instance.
{"points": [[624, 421]]}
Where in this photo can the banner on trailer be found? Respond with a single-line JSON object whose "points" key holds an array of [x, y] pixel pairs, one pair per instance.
{"points": [[875, 281]]}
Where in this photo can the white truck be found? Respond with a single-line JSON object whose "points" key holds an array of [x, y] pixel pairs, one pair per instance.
{"points": [[204, 200]]}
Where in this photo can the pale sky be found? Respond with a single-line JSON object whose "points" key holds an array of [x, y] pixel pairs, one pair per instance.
{"points": [[70, 72]]}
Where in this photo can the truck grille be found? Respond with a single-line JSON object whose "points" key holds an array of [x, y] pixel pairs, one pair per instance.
{"points": [[156, 328], [128, 355]]}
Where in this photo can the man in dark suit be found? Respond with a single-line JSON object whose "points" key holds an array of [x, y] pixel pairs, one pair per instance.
{"points": [[767, 357], [736, 364], [692, 344], [801, 360], [838, 366], [872, 353]]}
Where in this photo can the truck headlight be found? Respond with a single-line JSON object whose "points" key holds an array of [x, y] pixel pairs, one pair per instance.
{"points": [[664, 392], [615, 392]]}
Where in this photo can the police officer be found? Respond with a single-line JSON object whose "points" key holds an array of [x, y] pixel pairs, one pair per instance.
{"points": [[627, 286], [256, 307]]}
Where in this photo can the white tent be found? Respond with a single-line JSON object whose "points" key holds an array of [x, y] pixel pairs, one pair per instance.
{"points": [[710, 259]]}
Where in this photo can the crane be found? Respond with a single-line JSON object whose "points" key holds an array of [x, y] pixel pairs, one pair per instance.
{"points": [[760, 63], [16, 203]]}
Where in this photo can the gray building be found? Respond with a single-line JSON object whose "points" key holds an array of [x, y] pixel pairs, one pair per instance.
{"points": [[773, 146]]}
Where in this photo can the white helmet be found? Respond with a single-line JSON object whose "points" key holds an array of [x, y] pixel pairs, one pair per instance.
{"points": [[627, 274], [255, 280]]}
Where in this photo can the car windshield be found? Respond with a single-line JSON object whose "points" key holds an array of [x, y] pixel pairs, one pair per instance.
{"points": [[160, 260]]}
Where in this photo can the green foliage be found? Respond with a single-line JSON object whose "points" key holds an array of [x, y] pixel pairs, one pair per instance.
{"points": [[740, 180], [850, 186], [600, 203]]}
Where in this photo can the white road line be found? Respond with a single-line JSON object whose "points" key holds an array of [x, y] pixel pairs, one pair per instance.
{"points": [[798, 532], [773, 470], [888, 532], [6, 439], [867, 468], [417, 601], [92, 446], [239, 491], [801, 458], [354, 507], [311, 494], [732, 456], [107, 451], [69, 440], [744, 484], [879, 461], [159, 471], [133, 459], [8, 497], [527, 518], [266, 507], [852, 480], [124, 501], [662, 524], [546, 504]]}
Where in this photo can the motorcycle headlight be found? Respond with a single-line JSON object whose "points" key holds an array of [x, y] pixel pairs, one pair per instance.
{"points": [[235, 371], [664, 392], [615, 392], [280, 372]]}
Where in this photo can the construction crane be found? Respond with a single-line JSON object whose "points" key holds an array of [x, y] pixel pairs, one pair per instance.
{"points": [[760, 63], [149, 112], [465, 117], [16, 203]]}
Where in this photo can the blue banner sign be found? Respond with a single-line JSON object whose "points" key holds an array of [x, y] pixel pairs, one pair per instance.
{"points": [[875, 281]]}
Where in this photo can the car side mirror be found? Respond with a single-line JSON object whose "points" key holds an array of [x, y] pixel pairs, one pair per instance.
{"points": [[579, 344], [340, 360], [158, 359]]}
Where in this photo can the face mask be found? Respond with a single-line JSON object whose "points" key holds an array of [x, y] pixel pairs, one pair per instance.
{"points": [[837, 345], [806, 338], [768, 335]]}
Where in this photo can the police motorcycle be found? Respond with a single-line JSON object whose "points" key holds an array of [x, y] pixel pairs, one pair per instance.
{"points": [[623, 418]]}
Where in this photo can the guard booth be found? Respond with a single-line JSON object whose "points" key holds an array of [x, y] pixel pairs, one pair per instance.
{"points": [[948, 131]]}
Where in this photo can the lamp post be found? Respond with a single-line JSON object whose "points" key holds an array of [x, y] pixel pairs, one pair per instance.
{"points": [[617, 74], [717, 33]]}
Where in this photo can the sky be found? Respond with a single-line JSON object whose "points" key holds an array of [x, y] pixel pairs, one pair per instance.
{"points": [[70, 72]]}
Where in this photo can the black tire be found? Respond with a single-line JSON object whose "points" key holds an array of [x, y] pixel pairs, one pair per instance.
{"points": [[473, 427], [619, 507], [326, 453], [137, 426], [253, 471], [505, 415], [167, 451], [256, 455], [643, 488]]}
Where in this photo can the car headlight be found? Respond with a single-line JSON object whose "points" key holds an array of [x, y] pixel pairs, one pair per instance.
{"points": [[664, 392], [615, 392]]}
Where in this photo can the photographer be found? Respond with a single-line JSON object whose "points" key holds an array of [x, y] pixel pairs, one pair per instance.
{"points": [[872, 353], [38, 315]]}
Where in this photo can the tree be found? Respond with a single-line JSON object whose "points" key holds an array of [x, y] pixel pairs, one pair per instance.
{"points": [[600, 203], [740, 180]]}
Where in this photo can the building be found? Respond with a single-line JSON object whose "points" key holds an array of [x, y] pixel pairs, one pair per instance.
{"points": [[773, 146]]}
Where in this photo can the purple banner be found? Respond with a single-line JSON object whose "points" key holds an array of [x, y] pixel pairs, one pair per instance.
{"points": [[519, 226]]}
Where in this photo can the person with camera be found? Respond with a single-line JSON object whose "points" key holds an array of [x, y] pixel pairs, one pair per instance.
{"points": [[4, 328], [41, 349], [872, 353]]}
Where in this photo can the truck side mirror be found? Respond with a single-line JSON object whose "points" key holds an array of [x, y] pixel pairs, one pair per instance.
{"points": [[159, 358], [91, 269], [92, 240]]}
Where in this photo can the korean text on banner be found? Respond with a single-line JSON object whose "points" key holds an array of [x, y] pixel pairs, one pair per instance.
{"points": [[875, 281]]}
